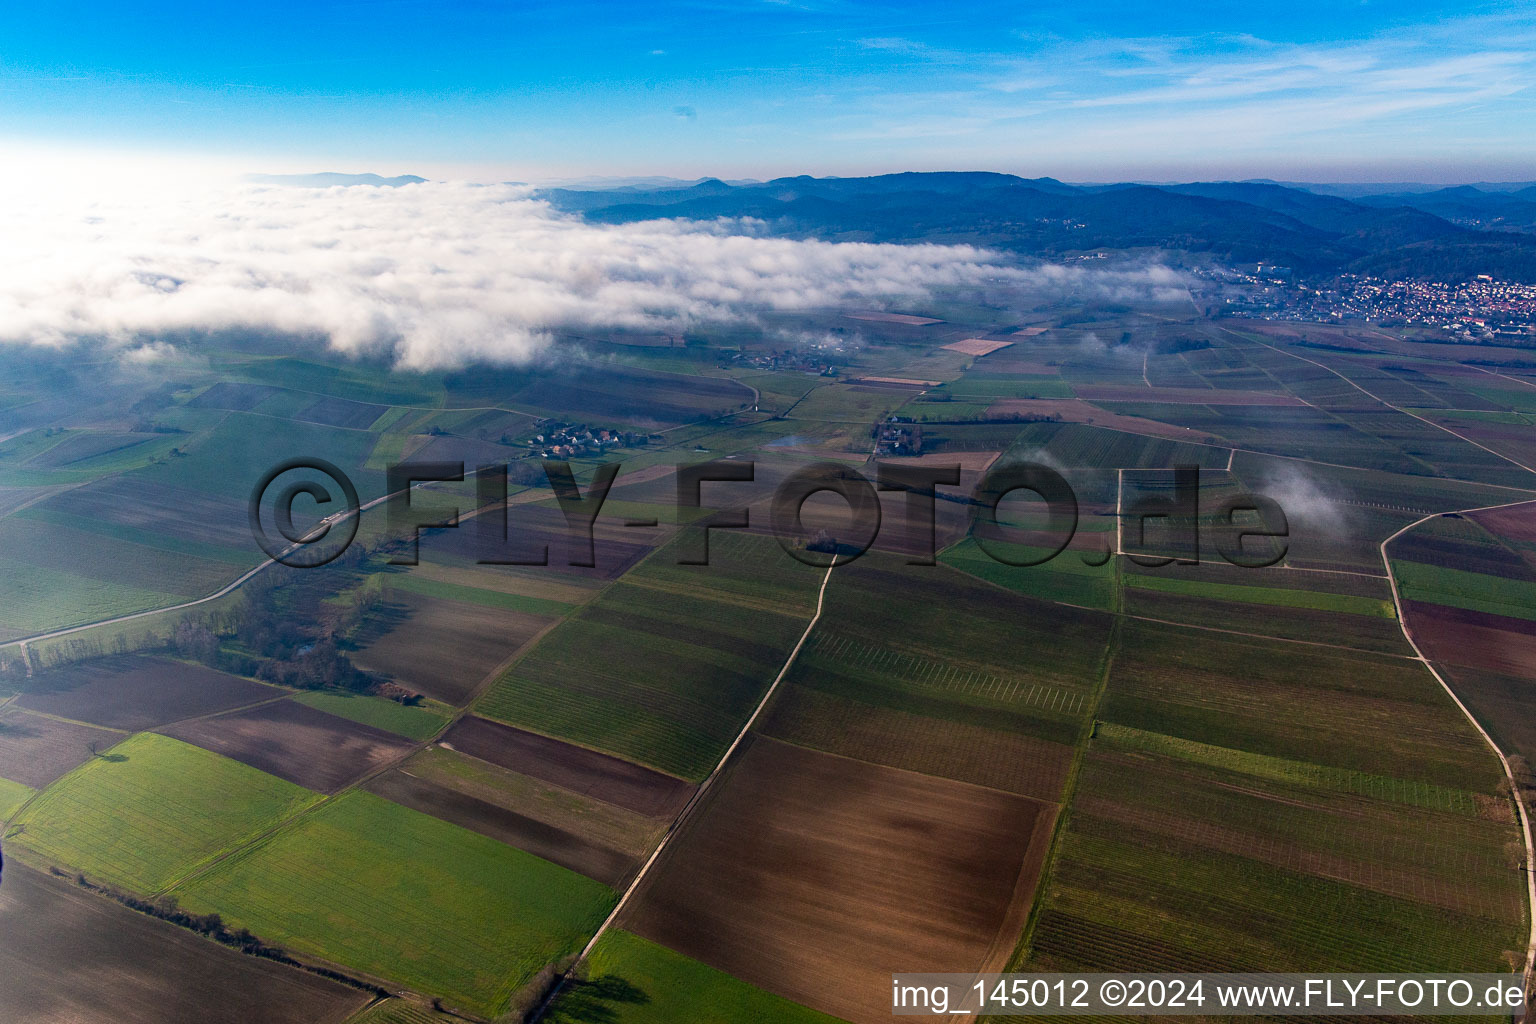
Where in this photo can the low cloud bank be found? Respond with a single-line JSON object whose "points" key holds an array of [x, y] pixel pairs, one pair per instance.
{"points": [[438, 275]]}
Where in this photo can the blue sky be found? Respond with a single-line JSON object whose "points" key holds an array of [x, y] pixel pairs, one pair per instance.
{"points": [[1336, 91]]}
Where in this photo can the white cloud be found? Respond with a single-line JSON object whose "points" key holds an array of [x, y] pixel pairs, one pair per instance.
{"points": [[443, 274], [1215, 102]]}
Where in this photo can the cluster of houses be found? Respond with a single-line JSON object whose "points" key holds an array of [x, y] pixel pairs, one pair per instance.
{"points": [[797, 360], [898, 435], [558, 440]]}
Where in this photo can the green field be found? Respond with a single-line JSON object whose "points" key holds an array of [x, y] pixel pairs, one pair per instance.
{"points": [[1122, 896], [1079, 446], [1249, 805], [842, 403], [1457, 588], [1346, 604], [42, 599], [1305, 774], [151, 810], [230, 458], [990, 386], [958, 679], [667, 664], [12, 796], [419, 722], [617, 509], [661, 678], [633, 981], [399, 894], [1065, 578], [1302, 703], [941, 614], [58, 519], [946, 409], [357, 381]]}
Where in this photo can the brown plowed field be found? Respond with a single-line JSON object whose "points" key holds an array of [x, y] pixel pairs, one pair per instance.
{"points": [[816, 876], [35, 750], [229, 395], [340, 412], [1517, 523], [976, 346], [533, 528], [1495, 643], [443, 648], [139, 693], [296, 742], [601, 776], [70, 957]]}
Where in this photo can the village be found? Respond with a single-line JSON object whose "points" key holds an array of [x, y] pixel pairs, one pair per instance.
{"points": [[560, 440]]}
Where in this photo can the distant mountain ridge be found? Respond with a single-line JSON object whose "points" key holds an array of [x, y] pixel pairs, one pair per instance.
{"points": [[1468, 206], [329, 179], [1240, 221], [1358, 189]]}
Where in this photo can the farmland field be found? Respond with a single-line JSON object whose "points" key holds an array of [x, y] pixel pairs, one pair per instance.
{"points": [[234, 397], [849, 403], [399, 1011], [952, 697], [571, 767], [1251, 789], [1344, 604], [1459, 588], [297, 742], [1367, 632], [932, 738], [634, 981], [339, 412], [611, 867], [35, 750], [636, 396], [400, 895], [234, 454], [477, 590], [67, 955], [82, 447], [1293, 701], [12, 796], [665, 666], [415, 721], [150, 810], [136, 693], [204, 523], [440, 647], [1066, 578], [814, 877], [62, 577], [594, 820]]}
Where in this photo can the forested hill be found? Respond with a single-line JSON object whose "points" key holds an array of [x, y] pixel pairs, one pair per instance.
{"points": [[1239, 221]]}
